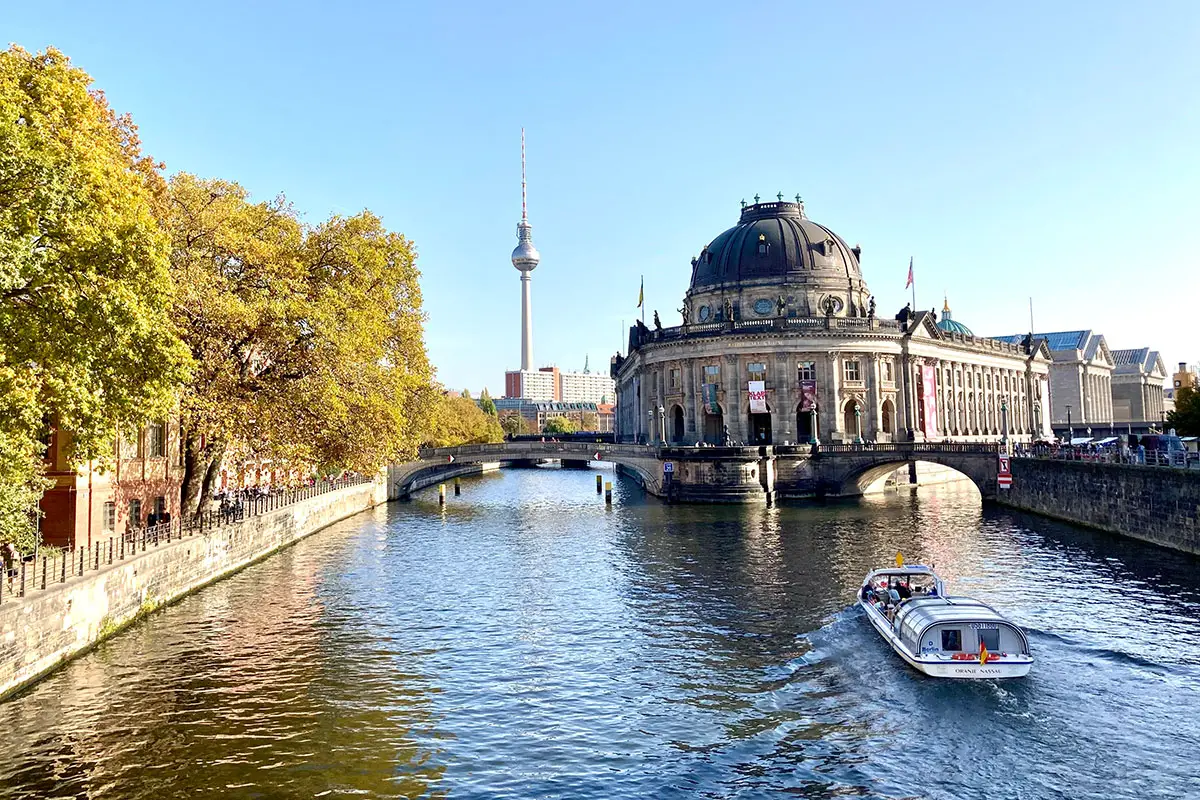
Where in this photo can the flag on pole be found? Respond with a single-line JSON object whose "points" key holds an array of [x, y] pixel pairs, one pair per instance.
{"points": [[983, 653], [910, 275], [641, 293]]}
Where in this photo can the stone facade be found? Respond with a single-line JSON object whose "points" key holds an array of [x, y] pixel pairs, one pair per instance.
{"points": [[1153, 504], [751, 315], [1137, 386], [45, 628], [1080, 378]]}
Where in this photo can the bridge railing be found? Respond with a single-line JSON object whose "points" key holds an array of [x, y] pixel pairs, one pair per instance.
{"points": [[905, 448]]}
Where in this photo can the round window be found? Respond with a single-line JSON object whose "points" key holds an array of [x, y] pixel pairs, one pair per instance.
{"points": [[763, 307], [705, 313]]}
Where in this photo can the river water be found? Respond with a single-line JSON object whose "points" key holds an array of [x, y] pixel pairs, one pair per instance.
{"points": [[527, 642]]}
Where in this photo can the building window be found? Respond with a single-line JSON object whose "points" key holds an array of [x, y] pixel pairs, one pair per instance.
{"points": [[758, 372], [674, 379], [135, 513], [712, 374], [888, 375], [110, 517], [852, 370], [807, 371], [764, 246], [127, 448], [156, 440]]}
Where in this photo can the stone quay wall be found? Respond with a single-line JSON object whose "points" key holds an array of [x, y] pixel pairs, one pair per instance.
{"points": [[41, 631], [1154, 504]]}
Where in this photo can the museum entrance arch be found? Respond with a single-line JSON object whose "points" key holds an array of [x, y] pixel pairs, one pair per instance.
{"points": [[806, 425], [677, 424], [758, 431], [714, 427], [852, 420], [888, 418]]}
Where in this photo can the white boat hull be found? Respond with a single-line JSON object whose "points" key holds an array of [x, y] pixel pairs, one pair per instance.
{"points": [[941, 666]]}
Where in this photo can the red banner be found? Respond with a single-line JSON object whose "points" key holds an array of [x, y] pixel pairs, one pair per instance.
{"points": [[929, 400]]}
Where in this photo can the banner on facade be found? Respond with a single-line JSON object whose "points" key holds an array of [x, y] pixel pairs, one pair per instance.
{"points": [[758, 396], [708, 394], [929, 400], [808, 395]]}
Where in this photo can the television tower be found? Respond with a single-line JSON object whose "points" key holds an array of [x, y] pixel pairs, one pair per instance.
{"points": [[525, 257]]}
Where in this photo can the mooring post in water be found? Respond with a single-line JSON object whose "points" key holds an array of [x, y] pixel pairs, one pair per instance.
{"points": [[441, 494], [457, 490], [608, 493], [599, 484]]}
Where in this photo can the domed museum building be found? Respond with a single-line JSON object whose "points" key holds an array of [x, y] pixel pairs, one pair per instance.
{"points": [[781, 344]]}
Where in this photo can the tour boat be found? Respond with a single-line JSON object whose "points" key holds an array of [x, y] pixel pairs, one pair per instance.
{"points": [[940, 635]]}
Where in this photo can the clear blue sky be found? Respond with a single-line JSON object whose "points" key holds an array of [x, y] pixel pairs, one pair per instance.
{"points": [[1015, 149]]}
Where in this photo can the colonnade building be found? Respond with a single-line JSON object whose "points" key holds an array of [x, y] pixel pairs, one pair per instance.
{"points": [[780, 343]]}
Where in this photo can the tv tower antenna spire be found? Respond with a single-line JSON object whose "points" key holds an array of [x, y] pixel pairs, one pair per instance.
{"points": [[525, 258]]}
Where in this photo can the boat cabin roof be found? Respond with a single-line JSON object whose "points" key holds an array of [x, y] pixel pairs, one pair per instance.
{"points": [[906, 570], [924, 611]]}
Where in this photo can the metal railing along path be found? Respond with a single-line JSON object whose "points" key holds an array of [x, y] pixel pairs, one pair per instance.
{"points": [[46, 569]]}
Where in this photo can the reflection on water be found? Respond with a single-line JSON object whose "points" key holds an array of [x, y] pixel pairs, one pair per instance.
{"points": [[527, 641]]}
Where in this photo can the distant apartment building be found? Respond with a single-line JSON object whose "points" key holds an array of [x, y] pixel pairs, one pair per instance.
{"points": [[590, 417], [549, 384]]}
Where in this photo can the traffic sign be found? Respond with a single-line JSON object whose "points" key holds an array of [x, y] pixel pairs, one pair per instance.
{"points": [[668, 467]]}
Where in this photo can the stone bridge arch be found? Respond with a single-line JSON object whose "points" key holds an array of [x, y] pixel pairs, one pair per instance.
{"points": [[847, 470], [437, 464]]}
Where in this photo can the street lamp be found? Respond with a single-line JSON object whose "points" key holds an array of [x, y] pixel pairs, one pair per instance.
{"points": [[662, 424], [857, 424], [1070, 428], [650, 425], [1004, 420]]}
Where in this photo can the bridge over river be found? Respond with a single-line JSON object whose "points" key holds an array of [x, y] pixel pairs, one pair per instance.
{"points": [[716, 474]]}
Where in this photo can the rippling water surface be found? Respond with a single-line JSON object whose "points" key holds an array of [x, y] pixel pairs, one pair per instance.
{"points": [[529, 642]]}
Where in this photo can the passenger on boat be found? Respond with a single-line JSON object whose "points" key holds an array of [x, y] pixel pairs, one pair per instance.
{"points": [[932, 591], [903, 590]]}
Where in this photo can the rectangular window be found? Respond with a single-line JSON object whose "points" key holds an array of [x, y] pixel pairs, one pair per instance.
{"points": [[712, 374], [674, 379], [110, 517], [853, 371], [990, 639], [758, 372], [128, 447], [156, 440], [807, 371], [135, 513], [951, 640], [888, 376]]}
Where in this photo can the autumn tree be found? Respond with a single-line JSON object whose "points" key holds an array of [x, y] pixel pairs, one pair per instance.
{"points": [[308, 341], [457, 420], [87, 342]]}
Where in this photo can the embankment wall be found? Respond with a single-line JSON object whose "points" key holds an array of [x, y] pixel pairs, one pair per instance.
{"points": [[42, 630], [1155, 504]]}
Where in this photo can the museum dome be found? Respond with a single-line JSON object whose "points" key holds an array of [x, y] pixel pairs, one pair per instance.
{"points": [[775, 243], [950, 325]]}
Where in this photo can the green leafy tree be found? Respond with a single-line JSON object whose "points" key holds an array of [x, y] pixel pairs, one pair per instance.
{"points": [[558, 425], [486, 403], [87, 341], [1185, 419], [308, 341]]}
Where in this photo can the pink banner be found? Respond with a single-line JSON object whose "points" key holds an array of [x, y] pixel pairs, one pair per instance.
{"points": [[929, 400]]}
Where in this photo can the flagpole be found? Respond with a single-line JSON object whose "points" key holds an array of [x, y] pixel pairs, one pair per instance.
{"points": [[914, 283], [642, 297]]}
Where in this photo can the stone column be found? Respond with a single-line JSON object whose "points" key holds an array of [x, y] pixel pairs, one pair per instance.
{"points": [[783, 410], [735, 418], [687, 385], [873, 423], [832, 419], [904, 378]]}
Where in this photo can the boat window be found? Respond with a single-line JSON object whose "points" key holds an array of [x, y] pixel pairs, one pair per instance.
{"points": [[952, 639], [990, 639]]}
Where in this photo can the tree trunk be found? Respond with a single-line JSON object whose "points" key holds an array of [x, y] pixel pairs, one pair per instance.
{"points": [[195, 467], [216, 456]]}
